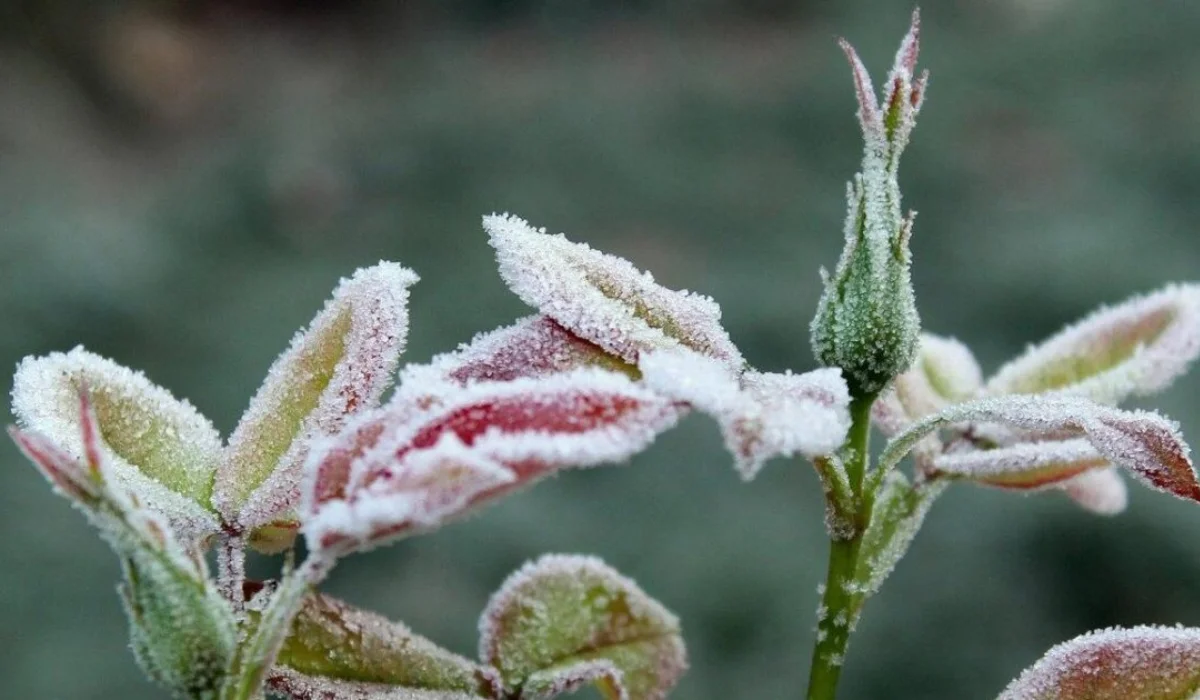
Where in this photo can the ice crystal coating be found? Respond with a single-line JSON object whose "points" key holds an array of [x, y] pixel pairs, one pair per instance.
{"points": [[1102, 491], [896, 517], [761, 414], [337, 367], [1133, 349], [158, 448], [604, 299], [333, 643], [570, 677], [1145, 443], [289, 684], [573, 617], [534, 346], [866, 322], [944, 372], [1116, 664], [406, 467], [1027, 465]]}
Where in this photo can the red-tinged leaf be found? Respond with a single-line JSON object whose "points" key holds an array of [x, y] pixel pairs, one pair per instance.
{"points": [[336, 368], [335, 650], [762, 415], [945, 372], [869, 116], [535, 346], [1024, 466], [155, 448], [1142, 663], [1102, 491], [604, 299], [1145, 443], [910, 46], [564, 620], [1133, 349], [403, 469], [68, 475]]}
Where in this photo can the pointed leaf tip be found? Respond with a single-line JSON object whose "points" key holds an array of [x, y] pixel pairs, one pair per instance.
{"points": [[1136, 348], [564, 620], [1115, 664], [603, 298], [337, 367]]}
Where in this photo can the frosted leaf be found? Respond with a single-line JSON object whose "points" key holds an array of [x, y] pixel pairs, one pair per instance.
{"points": [[289, 684], [561, 611], [1026, 465], [896, 517], [157, 448], [1102, 491], [604, 299], [945, 372], [888, 414], [406, 468], [1133, 349], [67, 473], [567, 678], [337, 367], [532, 347], [761, 414], [1116, 664], [1145, 443], [335, 643]]}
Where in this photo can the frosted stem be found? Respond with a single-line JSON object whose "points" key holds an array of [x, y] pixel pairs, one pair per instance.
{"points": [[843, 596], [231, 568]]}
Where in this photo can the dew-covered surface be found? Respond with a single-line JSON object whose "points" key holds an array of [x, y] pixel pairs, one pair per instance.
{"points": [[1054, 170]]}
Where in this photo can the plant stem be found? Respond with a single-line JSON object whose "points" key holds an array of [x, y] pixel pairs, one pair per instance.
{"points": [[231, 568], [841, 599]]}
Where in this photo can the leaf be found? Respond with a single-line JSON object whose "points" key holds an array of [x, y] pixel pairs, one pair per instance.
{"points": [[339, 366], [335, 646], [604, 299], [1026, 465], [1102, 491], [945, 372], [572, 617], [534, 346], [1134, 349], [896, 516], [1150, 663], [762, 414], [1145, 443], [406, 468], [293, 685], [158, 448]]}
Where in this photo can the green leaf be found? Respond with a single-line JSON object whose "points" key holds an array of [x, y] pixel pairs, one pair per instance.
{"points": [[563, 620], [333, 642], [896, 516]]}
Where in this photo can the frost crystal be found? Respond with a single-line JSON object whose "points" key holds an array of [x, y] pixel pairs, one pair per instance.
{"points": [[762, 415], [159, 449], [604, 299], [945, 372], [337, 367], [1115, 664], [1101, 491], [563, 620], [1133, 349], [404, 468], [866, 322]]}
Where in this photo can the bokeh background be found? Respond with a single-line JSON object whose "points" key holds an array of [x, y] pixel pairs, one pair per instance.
{"points": [[182, 184]]}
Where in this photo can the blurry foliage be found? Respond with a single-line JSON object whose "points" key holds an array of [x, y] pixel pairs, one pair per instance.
{"points": [[184, 181]]}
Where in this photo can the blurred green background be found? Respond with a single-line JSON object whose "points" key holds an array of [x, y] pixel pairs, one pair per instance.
{"points": [[182, 184]]}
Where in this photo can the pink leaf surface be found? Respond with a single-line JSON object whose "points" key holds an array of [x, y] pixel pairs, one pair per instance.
{"points": [[604, 299], [402, 468], [1142, 663], [337, 367], [1102, 491]]}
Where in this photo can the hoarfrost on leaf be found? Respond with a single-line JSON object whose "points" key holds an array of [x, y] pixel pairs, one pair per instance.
{"points": [[337, 367], [157, 448], [405, 468], [761, 414], [1102, 491], [945, 372], [1116, 664], [561, 611], [604, 299]]}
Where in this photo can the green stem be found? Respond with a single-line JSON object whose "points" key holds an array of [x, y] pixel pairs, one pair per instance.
{"points": [[842, 598]]}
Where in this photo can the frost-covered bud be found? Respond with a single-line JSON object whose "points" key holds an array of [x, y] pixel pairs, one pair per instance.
{"points": [[866, 322]]}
